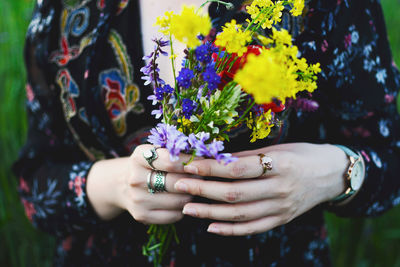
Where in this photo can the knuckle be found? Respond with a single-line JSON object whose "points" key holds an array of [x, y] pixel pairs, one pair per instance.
{"points": [[237, 170], [196, 189], [239, 215], [233, 195], [204, 169], [286, 161]]}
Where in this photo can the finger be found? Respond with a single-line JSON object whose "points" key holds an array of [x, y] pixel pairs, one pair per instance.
{"points": [[159, 217], [246, 228], [141, 176], [244, 167], [166, 201], [234, 192], [234, 212], [163, 161]]}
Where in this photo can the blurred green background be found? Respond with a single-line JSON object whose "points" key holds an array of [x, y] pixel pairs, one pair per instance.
{"points": [[356, 242]]}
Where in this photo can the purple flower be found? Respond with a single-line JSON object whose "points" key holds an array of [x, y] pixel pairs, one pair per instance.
{"points": [[211, 77], [151, 71], [157, 112], [185, 78], [188, 107], [198, 143], [167, 136]]}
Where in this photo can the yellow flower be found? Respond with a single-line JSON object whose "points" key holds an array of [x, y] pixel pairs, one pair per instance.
{"points": [[164, 22], [264, 77], [260, 126], [233, 39], [282, 36], [298, 6], [265, 12], [187, 25]]}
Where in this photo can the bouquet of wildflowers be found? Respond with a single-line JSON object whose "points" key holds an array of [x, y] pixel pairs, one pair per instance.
{"points": [[244, 78]]}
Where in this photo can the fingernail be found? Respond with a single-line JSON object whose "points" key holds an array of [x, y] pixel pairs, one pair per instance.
{"points": [[189, 211], [191, 169], [180, 186], [213, 229]]}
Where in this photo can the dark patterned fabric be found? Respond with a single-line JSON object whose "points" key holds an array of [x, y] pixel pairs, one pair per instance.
{"points": [[85, 102]]}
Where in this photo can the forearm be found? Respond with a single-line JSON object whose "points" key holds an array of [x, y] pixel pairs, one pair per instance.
{"points": [[104, 186]]}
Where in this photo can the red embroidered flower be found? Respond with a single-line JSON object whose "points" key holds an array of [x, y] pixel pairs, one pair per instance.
{"points": [[29, 209], [77, 184]]}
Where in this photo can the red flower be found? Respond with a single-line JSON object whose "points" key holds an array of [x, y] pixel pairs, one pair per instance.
{"points": [[234, 63], [274, 107]]}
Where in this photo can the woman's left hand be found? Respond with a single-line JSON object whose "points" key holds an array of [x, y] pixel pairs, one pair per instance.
{"points": [[303, 175]]}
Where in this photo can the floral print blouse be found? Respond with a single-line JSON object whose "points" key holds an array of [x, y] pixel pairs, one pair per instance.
{"points": [[86, 101]]}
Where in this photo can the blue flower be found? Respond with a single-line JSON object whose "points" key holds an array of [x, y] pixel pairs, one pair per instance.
{"points": [[159, 93], [203, 52], [211, 77], [185, 77], [168, 89], [187, 107]]}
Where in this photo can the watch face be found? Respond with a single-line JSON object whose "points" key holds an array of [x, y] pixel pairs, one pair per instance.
{"points": [[357, 175]]}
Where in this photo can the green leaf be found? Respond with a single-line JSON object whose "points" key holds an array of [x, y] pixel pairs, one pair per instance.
{"points": [[398, 102]]}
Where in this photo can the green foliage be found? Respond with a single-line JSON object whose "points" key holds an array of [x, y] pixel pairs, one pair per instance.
{"points": [[355, 242], [20, 244]]}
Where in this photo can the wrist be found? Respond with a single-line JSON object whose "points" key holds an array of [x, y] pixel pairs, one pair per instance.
{"points": [[339, 163], [104, 184]]}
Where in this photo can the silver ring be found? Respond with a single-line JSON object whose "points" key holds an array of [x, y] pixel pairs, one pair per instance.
{"points": [[150, 156], [149, 186], [158, 184], [266, 163]]}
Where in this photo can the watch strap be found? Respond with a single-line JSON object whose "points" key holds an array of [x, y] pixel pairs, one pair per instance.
{"points": [[349, 191]]}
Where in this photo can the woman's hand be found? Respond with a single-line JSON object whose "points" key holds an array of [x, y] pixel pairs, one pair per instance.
{"points": [[121, 184], [303, 176]]}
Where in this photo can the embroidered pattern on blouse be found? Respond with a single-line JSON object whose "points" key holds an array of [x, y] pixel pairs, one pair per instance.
{"points": [[121, 94]]}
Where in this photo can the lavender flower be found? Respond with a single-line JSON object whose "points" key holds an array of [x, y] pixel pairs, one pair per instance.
{"points": [[167, 136], [151, 71], [157, 112], [211, 150], [185, 78]]}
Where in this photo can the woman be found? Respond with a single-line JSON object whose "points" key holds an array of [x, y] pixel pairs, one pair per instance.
{"points": [[83, 174]]}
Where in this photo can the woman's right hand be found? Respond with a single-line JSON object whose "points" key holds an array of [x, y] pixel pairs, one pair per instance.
{"points": [[120, 184]]}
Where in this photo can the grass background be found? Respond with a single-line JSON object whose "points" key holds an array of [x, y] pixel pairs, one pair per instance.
{"points": [[356, 242]]}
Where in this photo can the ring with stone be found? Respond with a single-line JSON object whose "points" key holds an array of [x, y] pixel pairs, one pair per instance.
{"points": [[150, 156], [266, 163]]}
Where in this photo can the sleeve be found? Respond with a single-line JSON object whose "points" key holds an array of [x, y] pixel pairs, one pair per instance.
{"points": [[51, 168], [52, 174], [357, 95]]}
